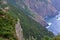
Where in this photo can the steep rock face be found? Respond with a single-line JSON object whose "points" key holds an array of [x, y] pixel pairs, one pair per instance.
{"points": [[42, 7], [39, 19], [36, 17], [18, 29]]}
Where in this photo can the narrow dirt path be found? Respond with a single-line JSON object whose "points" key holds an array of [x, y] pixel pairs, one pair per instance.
{"points": [[18, 30]]}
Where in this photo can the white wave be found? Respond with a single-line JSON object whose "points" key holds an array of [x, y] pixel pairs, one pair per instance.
{"points": [[58, 18], [49, 25]]}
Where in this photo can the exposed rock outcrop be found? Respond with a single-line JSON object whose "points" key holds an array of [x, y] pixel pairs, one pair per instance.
{"points": [[43, 8], [19, 31]]}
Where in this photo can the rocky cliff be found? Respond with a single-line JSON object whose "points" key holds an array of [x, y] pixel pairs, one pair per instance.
{"points": [[18, 30], [42, 7]]}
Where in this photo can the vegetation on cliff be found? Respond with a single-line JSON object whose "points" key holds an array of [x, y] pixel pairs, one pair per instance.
{"points": [[53, 38], [31, 29], [7, 26]]}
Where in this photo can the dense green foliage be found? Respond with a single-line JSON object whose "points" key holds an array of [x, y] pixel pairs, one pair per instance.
{"points": [[7, 26], [53, 38], [30, 27]]}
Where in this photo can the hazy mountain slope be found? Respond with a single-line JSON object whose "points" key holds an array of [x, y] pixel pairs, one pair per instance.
{"points": [[42, 7], [36, 9], [30, 27], [28, 12]]}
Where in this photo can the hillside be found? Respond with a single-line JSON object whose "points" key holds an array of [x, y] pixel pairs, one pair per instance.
{"points": [[30, 27], [38, 10], [43, 8], [7, 26], [53, 38]]}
